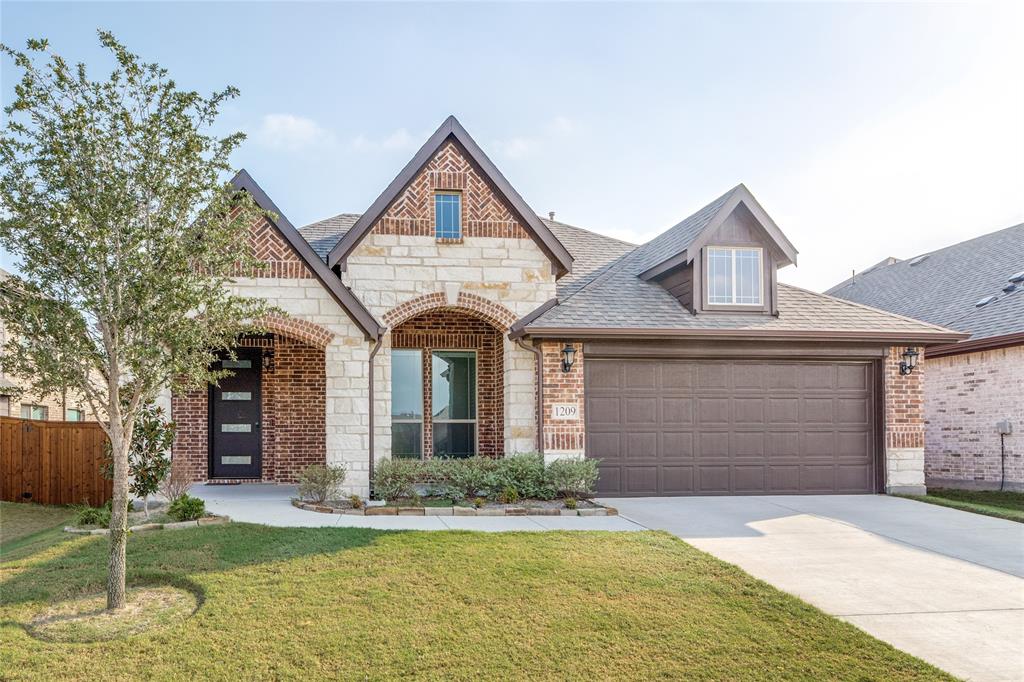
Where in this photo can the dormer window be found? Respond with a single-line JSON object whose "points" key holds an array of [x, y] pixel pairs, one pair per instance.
{"points": [[734, 276], [448, 215]]}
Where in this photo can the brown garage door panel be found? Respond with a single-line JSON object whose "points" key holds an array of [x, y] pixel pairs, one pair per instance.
{"points": [[710, 427]]}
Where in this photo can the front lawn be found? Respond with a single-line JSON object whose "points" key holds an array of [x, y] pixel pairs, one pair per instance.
{"points": [[360, 604], [24, 525], [1004, 504]]}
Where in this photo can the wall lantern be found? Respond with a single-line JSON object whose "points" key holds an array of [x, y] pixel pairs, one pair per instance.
{"points": [[268, 359], [568, 357], [909, 361]]}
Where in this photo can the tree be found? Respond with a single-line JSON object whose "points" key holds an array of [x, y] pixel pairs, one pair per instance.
{"points": [[112, 198]]}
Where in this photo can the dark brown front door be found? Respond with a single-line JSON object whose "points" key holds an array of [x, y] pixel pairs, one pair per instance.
{"points": [[235, 409], [726, 427]]}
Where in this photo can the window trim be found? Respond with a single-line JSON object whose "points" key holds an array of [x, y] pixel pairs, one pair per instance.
{"points": [[423, 400], [448, 193], [476, 398], [44, 410], [733, 248], [77, 410]]}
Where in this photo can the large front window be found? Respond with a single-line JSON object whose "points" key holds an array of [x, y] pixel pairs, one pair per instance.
{"points": [[452, 399], [453, 396], [734, 276], [406, 404]]}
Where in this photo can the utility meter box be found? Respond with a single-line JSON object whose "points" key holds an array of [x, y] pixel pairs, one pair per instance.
{"points": [[1004, 427]]}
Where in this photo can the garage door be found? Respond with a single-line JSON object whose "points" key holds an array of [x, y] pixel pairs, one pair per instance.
{"points": [[708, 427]]}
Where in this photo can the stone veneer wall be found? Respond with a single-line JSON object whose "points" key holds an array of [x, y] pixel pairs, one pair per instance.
{"points": [[317, 319], [563, 437], [495, 271], [904, 425], [965, 395], [454, 329]]}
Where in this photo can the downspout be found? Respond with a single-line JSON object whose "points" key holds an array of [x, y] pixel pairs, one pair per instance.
{"points": [[540, 390], [373, 353]]}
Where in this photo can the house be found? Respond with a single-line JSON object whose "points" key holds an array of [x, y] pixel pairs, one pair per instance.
{"points": [[15, 402], [973, 409], [449, 319]]}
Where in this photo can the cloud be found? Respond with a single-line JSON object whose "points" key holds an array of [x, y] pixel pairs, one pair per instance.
{"points": [[292, 133], [525, 146]]}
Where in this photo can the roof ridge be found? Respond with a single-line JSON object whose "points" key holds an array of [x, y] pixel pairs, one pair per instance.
{"points": [[722, 197], [583, 229], [866, 307]]}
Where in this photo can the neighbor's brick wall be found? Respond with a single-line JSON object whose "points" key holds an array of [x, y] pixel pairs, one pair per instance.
{"points": [[904, 424], [563, 438], [453, 329], [401, 269], [965, 395]]}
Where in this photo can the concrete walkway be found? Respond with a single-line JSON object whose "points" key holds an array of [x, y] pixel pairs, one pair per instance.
{"points": [[941, 584], [271, 505]]}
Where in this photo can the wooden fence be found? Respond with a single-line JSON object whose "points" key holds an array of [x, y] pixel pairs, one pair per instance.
{"points": [[52, 462]]}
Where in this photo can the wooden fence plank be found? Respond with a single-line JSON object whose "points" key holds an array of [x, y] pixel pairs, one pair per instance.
{"points": [[52, 462]]}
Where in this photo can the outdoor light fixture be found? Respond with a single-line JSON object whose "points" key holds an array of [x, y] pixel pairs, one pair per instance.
{"points": [[909, 361], [568, 355]]}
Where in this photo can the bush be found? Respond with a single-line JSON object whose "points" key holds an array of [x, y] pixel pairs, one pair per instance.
{"points": [[468, 477], [396, 478], [93, 516], [175, 484], [186, 508], [318, 482], [573, 477], [524, 473]]}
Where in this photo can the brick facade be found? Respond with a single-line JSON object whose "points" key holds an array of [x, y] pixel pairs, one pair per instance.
{"points": [[292, 415], [965, 395], [904, 424], [454, 329], [562, 437], [483, 213]]}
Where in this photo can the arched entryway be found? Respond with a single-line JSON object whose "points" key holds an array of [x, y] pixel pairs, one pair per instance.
{"points": [[447, 384]]}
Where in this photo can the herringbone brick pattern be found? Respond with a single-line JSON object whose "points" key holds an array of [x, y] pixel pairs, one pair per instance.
{"points": [[484, 214]]}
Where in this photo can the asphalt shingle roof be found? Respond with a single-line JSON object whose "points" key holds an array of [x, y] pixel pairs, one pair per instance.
{"points": [[945, 286], [603, 289]]}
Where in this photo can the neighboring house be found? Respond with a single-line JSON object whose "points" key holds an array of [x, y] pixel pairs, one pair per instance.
{"points": [[973, 388], [449, 319], [16, 403]]}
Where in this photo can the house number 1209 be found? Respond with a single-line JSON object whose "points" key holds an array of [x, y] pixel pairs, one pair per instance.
{"points": [[564, 411]]}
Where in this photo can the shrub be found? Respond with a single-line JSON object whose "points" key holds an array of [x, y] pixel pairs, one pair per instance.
{"points": [[395, 478], [355, 501], [573, 477], [93, 516], [318, 482], [479, 502], [525, 473], [175, 484], [468, 477], [186, 508], [570, 503], [508, 495]]}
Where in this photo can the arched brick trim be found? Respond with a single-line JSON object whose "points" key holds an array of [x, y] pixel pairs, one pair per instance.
{"points": [[493, 313], [298, 329]]}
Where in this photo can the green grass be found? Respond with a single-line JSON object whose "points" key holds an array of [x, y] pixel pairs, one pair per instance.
{"points": [[338, 603], [25, 527], [1002, 504]]}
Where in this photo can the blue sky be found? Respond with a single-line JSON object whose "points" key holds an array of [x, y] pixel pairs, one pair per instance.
{"points": [[866, 130]]}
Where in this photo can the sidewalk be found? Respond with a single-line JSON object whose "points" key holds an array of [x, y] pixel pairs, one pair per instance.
{"points": [[271, 505]]}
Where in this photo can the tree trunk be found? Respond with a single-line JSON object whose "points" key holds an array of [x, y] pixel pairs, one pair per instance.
{"points": [[118, 521]]}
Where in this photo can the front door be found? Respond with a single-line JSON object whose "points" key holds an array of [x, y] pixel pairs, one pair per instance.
{"points": [[235, 411]]}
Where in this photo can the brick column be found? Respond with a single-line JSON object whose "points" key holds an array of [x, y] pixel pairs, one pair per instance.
{"points": [[904, 425], [562, 437]]}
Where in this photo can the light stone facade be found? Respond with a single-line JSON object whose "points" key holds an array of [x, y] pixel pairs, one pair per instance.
{"points": [[388, 270], [347, 358]]}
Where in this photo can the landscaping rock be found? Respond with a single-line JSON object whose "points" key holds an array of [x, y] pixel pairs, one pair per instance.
{"points": [[351, 512], [100, 531], [212, 520], [410, 511], [515, 511], [490, 511], [438, 511], [382, 511], [77, 531], [463, 511], [569, 512], [591, 512], [541, 511], [178, 525], [145, 527]]}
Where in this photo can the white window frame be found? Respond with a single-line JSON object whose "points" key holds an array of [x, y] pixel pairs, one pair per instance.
{"points": [[735, 290]]}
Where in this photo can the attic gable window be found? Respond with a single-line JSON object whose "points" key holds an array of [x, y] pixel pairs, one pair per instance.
{"points": [[734, 276], [448, 215]]}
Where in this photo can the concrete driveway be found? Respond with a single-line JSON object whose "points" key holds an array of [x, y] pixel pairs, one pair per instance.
{"points": [[944, 585]]}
